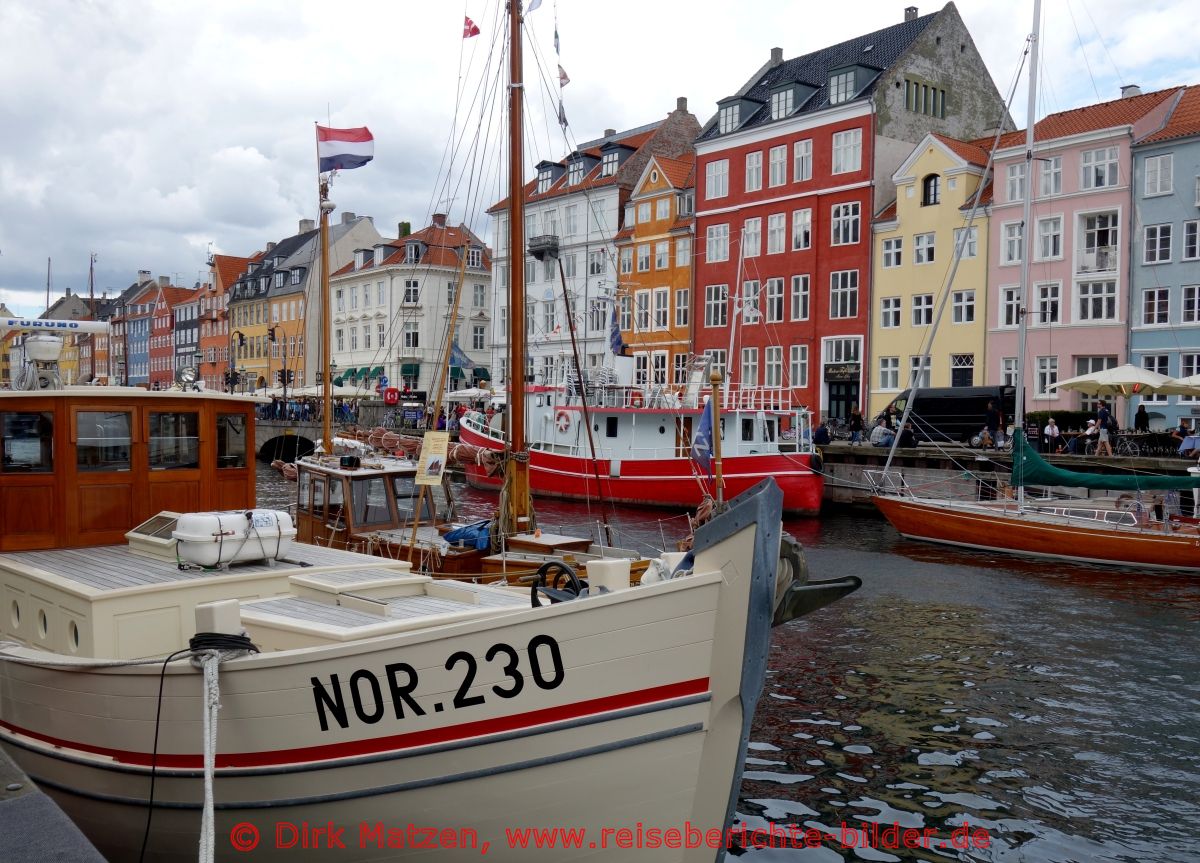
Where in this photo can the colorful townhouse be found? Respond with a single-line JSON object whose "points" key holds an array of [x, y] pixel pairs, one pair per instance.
{"points": [[916, 240], [392, 311], [1078, 296], [135, 317], [1165, 331], [186, 330], [654, 265], [161, 348], [573, 212], [789, 174], [224, 271]]}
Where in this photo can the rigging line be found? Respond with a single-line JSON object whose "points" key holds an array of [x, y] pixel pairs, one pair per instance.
{"points": [[1083, 50], [1100, 38]]}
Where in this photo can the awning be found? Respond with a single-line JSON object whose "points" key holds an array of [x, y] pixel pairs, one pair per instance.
{"points": [[410, 370], [482, 374], [377, 372], [337, 382], [457, 374]]}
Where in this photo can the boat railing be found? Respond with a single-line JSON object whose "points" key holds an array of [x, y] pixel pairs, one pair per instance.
{"points": [[758, 398]]}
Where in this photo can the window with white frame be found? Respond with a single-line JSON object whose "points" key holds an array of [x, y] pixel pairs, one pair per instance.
{"points": [[716, 179], [781, 104], [889, 312], [1049, 301], [773, 302], [412, 291], [1189, 365], [686, 203], [889, 373], [1015, 184], [575, 173], [750, 302], [679, 369], [340, 297], [1099, 168], [1010, 234], [1158, 175], [1156, 306], [608, 164], [549, 318], [570, 265], [1191, 241], [844, 223], [1049, 175], [1010, 307], [802, 160], [662, 254], [798, 365], [919, 368], [841, 87], [717, 243], [683, 252], [962, 370], [626, 260], [1050, 238], [641, 369], [625, 308], [773, 366], [777, 162], [478, 337], [1191, 305], [752, 238], [1156, 248], [753, 171], [643, 213], [970, 248], [893, 252], [843, 294], [662, 308], [931, 190], [662, 209], [801, 229], [642, 318], [800, 297], [963, 307], [411, 335], [1097, 301], [922, 310], [749, 368], [596, 263], [1045, 377], [847, 151], [1157, 363], [571, 220], [716, 305], [682, 302], [658, 367], [776, 233], [728, 118], [923, 249], [643, 258], [1087, 365], [530, 271], [1008, 371], [548, 271], [366, 337]]}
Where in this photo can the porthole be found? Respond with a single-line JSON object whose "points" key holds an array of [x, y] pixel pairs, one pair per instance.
{"points": [[16, 614], [662, 429], [654, 176], [73, 633], [43, 623]]}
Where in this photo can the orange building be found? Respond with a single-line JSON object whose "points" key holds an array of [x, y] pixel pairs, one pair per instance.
{"points": [[214, 318], [654, 271]]}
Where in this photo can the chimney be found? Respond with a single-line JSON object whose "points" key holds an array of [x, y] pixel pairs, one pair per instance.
{"points": [[348, 217], [608, 133], [143, 276], [270, 246], [164, 281], [681, 104], [439, 220], [307, 225], [910, 13], [776, 56], [1128, 91], [404, 229]]}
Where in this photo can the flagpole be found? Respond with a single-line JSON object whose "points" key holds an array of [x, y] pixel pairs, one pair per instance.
{"points": [[714, 378], [325, 206]]}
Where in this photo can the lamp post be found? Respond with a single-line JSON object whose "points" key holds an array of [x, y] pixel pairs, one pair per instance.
{"points": [[199, 358], [242, 378]]}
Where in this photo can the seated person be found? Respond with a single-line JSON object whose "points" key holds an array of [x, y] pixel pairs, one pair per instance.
{"points": [[821, 435], [881, 435], [1051, 437], [907, 438], [1078, 443], [1181, 431]]}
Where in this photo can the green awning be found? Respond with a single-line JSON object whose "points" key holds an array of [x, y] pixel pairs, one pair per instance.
{"points": [[377, 372], [410, 370], [457, 374], [482, 374], [337, 382]]}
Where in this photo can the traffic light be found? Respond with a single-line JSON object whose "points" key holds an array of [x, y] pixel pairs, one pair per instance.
{"points": [[241, 339], [291, 377], [281, 377], [271, 334]]}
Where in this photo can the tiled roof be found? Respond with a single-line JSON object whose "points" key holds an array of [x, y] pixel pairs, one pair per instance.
{"points": [[969, 151], [878, 50], [985, 197], [229, 267], [888, 213], [1090, 118], [441, 243], [1184, 120], [680, 173]]}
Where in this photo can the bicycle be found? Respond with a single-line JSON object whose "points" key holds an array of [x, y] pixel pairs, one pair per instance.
{"points": [[1123, 446]]}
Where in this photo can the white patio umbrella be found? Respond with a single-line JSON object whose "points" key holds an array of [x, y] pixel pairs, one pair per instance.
{"points": [[1125, 380], [470, 394], [1189, 386], [337, 392]]}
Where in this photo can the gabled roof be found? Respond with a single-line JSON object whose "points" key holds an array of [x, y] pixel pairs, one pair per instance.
{"points": [[1090, 118], [878, 50], [1184, 120], [969, 151], [442, 244], [681, 172], [229, 267], [888, 213]]}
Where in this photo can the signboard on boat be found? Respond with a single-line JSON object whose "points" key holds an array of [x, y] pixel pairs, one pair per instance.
{"points": [[432, 463]]}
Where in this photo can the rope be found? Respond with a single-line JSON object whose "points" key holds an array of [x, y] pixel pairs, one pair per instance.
{"points": [[211, 662]]}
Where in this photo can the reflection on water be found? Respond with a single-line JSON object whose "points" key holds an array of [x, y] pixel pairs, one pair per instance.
{"points": [[1054, 707]]}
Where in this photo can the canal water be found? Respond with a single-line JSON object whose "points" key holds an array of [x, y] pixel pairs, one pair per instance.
{"points": [[1052, 711]]}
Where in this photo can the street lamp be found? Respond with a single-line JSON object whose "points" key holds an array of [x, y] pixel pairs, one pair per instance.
{"points": [[242, 377], [198, 357]]}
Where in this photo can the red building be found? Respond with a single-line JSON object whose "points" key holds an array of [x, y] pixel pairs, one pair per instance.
{"points": [[162, 301], [789, 173]]}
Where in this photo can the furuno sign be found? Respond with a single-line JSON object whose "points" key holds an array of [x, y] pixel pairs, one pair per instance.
{"points": [[843, 371]]}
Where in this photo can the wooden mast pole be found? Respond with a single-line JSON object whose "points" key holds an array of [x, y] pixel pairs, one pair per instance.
{"points": [[714, 378], [326, 206]]}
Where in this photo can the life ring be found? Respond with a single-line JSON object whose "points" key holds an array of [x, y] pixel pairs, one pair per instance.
{"points": [[562, 421], [636, 399]]}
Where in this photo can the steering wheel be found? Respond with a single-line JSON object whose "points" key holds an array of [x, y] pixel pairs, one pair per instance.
{"points": [[565, 587]]}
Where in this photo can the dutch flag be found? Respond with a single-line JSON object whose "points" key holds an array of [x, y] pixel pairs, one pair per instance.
{"points": [[339, 149]]}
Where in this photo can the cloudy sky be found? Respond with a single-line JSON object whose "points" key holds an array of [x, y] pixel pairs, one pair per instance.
{"points": [[151, 132]]}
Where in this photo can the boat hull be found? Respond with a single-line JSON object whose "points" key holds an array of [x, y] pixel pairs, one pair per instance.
{"points": [[1003, 529], [631, 712], [674, 482]]}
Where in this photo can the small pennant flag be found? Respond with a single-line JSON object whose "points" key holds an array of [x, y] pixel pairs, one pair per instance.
{"points": [[556, 51], [563, 80], [562, 114], [470, 28], [533, 4]]}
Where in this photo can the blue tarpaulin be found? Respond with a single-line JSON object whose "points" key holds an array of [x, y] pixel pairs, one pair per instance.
{"points": [[475, 534]]}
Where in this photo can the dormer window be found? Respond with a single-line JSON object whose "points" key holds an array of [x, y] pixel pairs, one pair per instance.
{"points": [[475, 258], [931, 190], [781, 104], [608, 165], [545, 178], [841, 87], [412, 253], [296, 276], [575, 174], [729, 118], [278, 262], [630, 215], [360, 258], [279, 277], [262, 284], [687, 203]]}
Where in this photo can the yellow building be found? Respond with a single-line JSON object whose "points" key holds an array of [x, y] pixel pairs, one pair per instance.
{"points": [[915, 239], [654, 253]]}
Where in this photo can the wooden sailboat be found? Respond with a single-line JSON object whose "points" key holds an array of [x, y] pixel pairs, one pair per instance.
{"points": [[211, 684], [1134, 529]]}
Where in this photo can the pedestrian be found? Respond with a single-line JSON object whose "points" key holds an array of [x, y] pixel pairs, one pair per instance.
{"points": [[1104, 428], [993, 421], [1052, 440], [855, 424], [1141, 420]]}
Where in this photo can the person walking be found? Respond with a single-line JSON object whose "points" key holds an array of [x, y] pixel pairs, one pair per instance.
{"points": [[1104, 427], [855, 424]]}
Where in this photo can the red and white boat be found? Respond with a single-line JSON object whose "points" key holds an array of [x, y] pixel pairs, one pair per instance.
{"points": [[639, 447]]}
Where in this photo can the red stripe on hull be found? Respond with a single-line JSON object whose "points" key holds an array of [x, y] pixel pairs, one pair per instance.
{"points": [[391, 743]]}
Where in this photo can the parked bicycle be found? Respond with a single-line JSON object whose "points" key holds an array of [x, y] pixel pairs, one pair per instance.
{"points": [[1123, 446]]}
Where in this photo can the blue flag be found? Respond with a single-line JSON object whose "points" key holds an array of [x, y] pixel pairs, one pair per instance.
{"points": [[614, 334], [702, 440], [458, 357]]}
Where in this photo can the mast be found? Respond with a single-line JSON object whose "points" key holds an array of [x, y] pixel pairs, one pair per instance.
{"points": [[1026, 238], [517, 464], [326, 206]]}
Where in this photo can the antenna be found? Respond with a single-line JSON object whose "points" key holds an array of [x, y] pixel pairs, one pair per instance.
{"points": [[48, 279], [92, 277]]}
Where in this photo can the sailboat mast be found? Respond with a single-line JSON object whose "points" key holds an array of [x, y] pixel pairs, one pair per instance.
{"points": [[517, 463], [326, 206]]}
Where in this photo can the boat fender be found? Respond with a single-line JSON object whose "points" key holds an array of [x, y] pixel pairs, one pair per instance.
{"points": [[816, 462], [562, 421], [636, 399]]}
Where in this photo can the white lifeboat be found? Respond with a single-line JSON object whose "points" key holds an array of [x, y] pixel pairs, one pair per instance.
{"points": [[222, 538]]}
